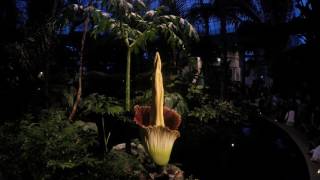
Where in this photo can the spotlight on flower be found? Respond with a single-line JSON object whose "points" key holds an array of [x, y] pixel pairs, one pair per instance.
{"points": [[158, 124]]}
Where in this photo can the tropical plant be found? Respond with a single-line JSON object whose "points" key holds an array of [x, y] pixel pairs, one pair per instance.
{"points": [[47, 146], [132, 23], [100, 104], [10, 160], [207, 110], [158, 124], [220, 111], [171, 100], [197, 95], [51, 144], [204, 113]]}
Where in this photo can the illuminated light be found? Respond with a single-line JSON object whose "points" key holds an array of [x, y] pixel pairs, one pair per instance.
{"points": [[38, 89], [232, 144], [318, 172], [219, 59], [40, 75]]}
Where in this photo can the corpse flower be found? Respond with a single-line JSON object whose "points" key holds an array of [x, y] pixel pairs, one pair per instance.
{"points": [[158, 124]]}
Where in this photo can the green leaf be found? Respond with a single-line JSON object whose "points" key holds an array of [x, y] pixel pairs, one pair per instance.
{"points": [[104, 3]]}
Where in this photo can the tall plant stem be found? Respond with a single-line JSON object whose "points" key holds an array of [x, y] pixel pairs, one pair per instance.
{"points": [[128, 84], [79, 91]]}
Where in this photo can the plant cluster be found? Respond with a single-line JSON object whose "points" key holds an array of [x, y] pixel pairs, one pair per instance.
{"points": [[48, 146]]}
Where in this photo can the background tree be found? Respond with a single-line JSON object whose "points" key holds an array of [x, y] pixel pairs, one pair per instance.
{"points": [[136, 26]]}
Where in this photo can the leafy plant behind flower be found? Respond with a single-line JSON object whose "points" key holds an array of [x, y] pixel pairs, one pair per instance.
{"points": [[220, 111], [206, 109], [101, 104], [171, 100], [227, 112], [204, 113], [177, 102], [198, 96]]}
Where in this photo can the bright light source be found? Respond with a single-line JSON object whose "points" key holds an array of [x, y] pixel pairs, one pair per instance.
{"points": [[40, 75], [232, 144], [318, 172], [219, 59]]}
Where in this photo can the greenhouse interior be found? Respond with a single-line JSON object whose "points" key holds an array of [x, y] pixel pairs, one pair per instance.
{"points": [[159, 89]]}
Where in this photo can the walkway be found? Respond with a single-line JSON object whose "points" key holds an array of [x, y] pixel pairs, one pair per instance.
{"points": [[302, 142]]}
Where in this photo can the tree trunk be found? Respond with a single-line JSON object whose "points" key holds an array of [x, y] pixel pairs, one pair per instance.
{"points": [[79, 92], [223, 32], [206, 26], [127, 91]]}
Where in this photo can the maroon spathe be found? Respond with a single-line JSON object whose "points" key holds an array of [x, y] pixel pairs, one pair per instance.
{"points": [[172, 119]]}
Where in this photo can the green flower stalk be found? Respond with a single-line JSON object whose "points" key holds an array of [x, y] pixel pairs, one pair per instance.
{"points": [[158, 124]]}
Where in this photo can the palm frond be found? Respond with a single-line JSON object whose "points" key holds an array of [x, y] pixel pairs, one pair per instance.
{"points": [[119, 7], [178, 24], [142, 40]]}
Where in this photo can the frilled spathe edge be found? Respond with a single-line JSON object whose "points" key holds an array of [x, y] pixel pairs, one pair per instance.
{"points": [[172, 119]]}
